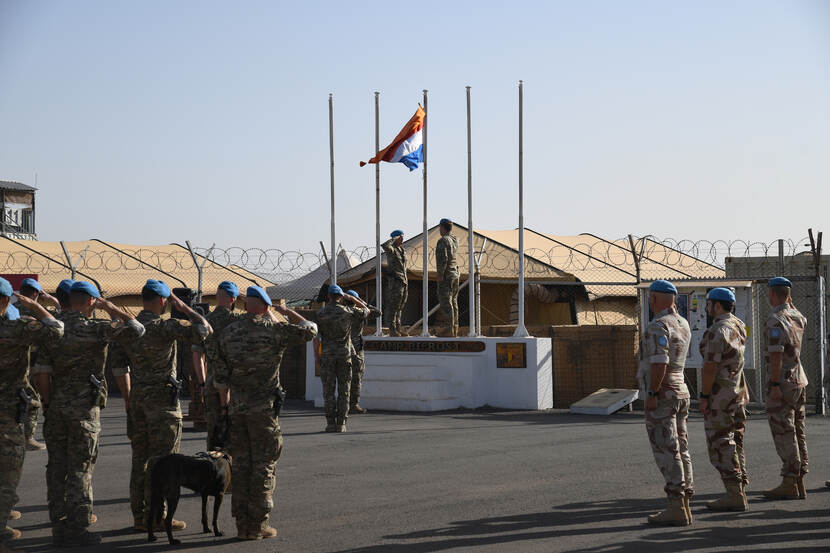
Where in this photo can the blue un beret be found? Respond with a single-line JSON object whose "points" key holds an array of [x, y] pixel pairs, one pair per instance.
{"points": [[353, 294], [5, 288], [335, 290], [663, 286], [158, 287], [229, 287], [445, 222], [65, 285], [86, 288], [12, 314], [721, 294], [31, 283], [259, 293], [396, 233], [780, 281]]}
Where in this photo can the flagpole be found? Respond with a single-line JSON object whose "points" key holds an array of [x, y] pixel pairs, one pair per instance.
{"points": [[425, 245], [331, 157], [471, 305], [378, 284], [521, 331]]}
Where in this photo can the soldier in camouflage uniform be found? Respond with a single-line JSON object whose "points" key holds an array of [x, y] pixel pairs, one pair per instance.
{"points": [[666, 344], [247, 375], [222, 316], [447, 268], [397, 283], [723, 398], [71, 378], [17, 335], [32, 289], [334, 322], [358, 359], [155, 417], [786, 389]]}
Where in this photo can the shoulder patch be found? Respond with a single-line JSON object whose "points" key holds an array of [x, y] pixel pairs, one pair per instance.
{"points": [[774, 333], [34, 325], [662, 341]]}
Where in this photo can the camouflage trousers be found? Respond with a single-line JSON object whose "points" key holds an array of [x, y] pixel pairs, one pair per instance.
{"points": [[786, 421], [448, 299], [212, 411], [255, 446], [669, 438], [154, 429], [30, 424], [71, 435], [358, 368], [398, 292], [724, 424], [12, 450], [336, 375]]}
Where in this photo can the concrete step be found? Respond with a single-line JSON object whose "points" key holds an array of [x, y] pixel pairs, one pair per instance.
{"points": [[398, 404], [404, 372], [420, 390]]}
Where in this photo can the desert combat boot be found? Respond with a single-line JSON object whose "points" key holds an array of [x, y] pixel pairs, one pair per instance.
{"points": [[674, 515], [734, 500], [787, 489]]}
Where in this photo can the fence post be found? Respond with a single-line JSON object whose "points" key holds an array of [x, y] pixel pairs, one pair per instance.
{"points": [[72, 265], [199, 267], [815, 247]]}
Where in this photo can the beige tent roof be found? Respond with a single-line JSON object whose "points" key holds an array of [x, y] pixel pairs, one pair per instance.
{"points": [[500, 261], [118, 269]]}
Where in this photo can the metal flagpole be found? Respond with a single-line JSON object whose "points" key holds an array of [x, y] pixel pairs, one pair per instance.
{"points": [[521, 331], [425, 252], [471, 304], [378, 285], [331, 157]]}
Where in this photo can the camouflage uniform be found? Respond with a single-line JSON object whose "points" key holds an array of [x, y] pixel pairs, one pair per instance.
{"points": [[334, 322], [358, 361], [16, 337], [248, 361], [724, 343], [30, 424], [447, 266], [218, 319], [72, 422], [154, 421], [667, 341], [397, 284], [784, 333]]}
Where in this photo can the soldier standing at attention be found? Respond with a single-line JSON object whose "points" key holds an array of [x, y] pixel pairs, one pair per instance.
{"points": [[334, 322], [666, 344], [786, 390], [447, 268], [247, 374], [17, 335], [397, 283], [32, 289], [70, 375], [358, 359], [221, 316], [155, 418], [723, 398]]}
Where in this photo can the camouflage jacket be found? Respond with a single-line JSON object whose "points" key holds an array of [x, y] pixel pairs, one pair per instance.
{"points": [[334, 323], [667, 341], [724, 343], [395, 260], [80, 354], [153, 358], [16, 337], [359, 318], [219, 319], [445, 254], [249, 355], [784, 333]]}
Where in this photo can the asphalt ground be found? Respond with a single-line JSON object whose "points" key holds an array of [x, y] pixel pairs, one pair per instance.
{"points": [[489, 481]]}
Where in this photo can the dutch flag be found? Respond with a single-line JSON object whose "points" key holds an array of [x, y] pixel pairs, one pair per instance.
{"points": [[408, 147]]}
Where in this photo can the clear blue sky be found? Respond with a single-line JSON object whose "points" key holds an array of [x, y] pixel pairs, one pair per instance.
{"points": [[151, 122]]}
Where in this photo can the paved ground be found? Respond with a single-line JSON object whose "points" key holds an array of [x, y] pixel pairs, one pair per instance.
{"points": [[468, 481]]}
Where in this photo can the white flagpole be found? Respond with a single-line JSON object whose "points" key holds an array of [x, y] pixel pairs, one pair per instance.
{"points": [[471, 304], [378, 283], [521, 331], [425, 246], [331, 157]]}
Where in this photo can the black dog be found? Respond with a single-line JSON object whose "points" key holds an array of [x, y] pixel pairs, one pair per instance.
{"points": [[206, 473]]}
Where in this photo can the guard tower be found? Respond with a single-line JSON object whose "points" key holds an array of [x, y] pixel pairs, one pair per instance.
{"points": [[17, 207]]}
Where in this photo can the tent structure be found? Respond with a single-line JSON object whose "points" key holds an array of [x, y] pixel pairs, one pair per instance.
{"points": [[307, 287]]}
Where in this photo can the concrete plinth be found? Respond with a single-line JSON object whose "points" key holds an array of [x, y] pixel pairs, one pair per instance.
{"points": [[434, 374]]}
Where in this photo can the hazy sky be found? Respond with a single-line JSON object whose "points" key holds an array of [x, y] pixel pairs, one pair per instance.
{"points": [[151, 122]]}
